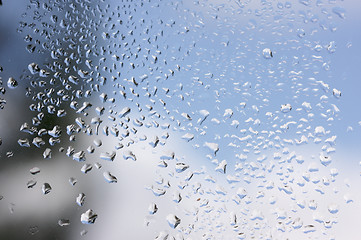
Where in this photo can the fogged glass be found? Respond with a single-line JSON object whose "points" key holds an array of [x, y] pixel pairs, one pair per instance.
{"points": [[180, 119]]}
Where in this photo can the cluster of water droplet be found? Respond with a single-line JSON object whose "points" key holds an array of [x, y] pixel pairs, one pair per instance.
{"points": [[133, 73]]}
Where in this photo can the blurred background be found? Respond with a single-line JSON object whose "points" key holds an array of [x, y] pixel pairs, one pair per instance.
{"points": [[185, 103]]}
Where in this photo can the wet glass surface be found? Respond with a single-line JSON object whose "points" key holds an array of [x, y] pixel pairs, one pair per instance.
{"points": [[176, 119]]}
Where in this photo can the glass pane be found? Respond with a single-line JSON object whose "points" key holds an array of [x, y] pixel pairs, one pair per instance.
{"points": [[180, 119]]}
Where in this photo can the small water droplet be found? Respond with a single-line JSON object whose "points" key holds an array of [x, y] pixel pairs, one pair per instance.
{"points": [[9, 154], [35, 170], [80, 199], [152, 208], [86, 168], [129, 155], [79, 156], [33, 230], [64, 222], [333, 208], [267, 53], [109, 177], [339, 12], [285, 108], [31, 183], [336, 93], [108, 156], [98, 165], [188, 136], [325, 160], [33, 68], [72, 181], [24, 142], [47, 153], [181, 167], [212, 146], [331, 47], [301, 33]]}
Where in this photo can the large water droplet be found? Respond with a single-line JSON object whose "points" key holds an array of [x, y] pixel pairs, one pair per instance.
{"points": [[12, 83], [173, 220], [46, 188], [88, 217]]}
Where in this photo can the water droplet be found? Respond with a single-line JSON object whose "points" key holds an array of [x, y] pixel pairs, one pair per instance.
{"points": [[336, 93], [301, 33], [125, 111], [188, 136], [181, 167], [309, 228], [46, 188], [129, 155], [72, 181], [64, 222], [24, 142], [162, 236], [312, 205], [108, 156], [333, 208], [80, 199], [163, 164], [35, 170], [339, 12], [152, 208], [222, 166], [31, 183], [47, 153], [285, 108], [325, 160], [348, 198], [86, 168], [33, 230], [109, 177], [177, 197], [212, 146], [256, 215], [88, 217], [12, 83], [98, 143], [33, 68], [241, 192], [79, 156], [158, 191], [267, 53], [55, 132], [173, 220], [38, 142], [9, 154], [331, 47]]}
